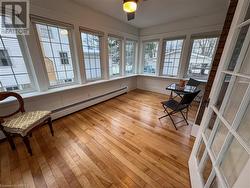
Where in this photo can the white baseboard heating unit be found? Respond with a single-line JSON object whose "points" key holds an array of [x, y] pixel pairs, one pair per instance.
{"points": [[88, 102]]}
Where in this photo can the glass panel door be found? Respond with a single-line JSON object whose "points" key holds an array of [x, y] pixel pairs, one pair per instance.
{"points": [[222, 148]]}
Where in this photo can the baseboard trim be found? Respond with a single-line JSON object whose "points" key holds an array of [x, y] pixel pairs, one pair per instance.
{"points": [[64, 111]]}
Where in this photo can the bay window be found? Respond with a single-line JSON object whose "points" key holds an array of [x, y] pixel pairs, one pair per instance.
{"points": [[91, 45], [172, 50], [201, 57], [150, 54], [14, 69], [130, 53], [114, 54], [57, 55]]}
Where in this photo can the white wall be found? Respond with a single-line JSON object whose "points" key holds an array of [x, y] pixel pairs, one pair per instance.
{"points": [[191, 25], [71, 12]]}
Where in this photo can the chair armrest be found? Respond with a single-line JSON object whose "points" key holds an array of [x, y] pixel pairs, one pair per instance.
{"points": [[1, 121]]}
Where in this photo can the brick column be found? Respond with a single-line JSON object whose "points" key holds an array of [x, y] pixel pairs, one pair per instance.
{"points": [[216, 61]]}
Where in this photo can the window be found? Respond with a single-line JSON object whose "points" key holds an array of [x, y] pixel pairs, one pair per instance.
{"points": [[64, 58], [201, 57], [92, 56], [14, 75], [114, 46], [4, 58], [55, 46], [130, 49], [172, 51], [150, 51]]}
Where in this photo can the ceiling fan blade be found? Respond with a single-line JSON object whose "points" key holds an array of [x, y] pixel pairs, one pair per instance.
{"points": [[131, 16]]}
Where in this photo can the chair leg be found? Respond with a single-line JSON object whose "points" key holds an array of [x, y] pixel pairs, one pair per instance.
{"points": [[10, 139], [187, 113], [162, 117], [184, 117], [27, 144], [50, 126], [172, 120]]}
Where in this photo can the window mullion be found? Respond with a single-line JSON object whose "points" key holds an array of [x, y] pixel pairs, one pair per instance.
{"points": [[158, 61], [41, 76]]}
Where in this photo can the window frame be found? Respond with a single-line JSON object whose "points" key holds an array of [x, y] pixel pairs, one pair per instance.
{"points": [[143, 55], [70, 28], [28, 64], [121, 40], [195, 37], [163, 55], [135, 56], [101, 40]]}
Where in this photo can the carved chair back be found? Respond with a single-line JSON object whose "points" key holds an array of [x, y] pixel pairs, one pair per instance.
{"points": [[5, 95]]}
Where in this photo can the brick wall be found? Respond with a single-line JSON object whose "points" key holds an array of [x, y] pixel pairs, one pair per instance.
{"points": [[217, 57]]}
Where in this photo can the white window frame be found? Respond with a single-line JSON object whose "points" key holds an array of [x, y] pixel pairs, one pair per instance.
{"points": [[143, 55], [163, 56], [200, 36], [28, 64], [135, 56], [46, 21], [101, 41], [119, 38]]}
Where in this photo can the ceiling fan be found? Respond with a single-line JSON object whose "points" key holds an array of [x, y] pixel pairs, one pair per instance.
{"points": [[130, 6]]}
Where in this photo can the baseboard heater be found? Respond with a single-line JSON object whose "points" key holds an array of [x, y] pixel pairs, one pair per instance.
{"points": [[60, 112]]}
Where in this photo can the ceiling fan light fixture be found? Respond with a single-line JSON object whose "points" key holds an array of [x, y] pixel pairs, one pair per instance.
{"points": [[129, 6]]}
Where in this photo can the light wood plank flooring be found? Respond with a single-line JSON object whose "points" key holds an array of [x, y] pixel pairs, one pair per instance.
{"points": [[118, 143]]}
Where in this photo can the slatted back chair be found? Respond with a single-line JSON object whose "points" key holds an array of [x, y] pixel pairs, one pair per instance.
{"points": [[176, 107], [22, 123], [191, 82]]}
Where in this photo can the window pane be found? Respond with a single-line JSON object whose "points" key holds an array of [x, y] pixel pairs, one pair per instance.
{"points": [[235, 98], [57, 54], [207, 169], [200, 151], [150, 57], [13, 71], [92, 56], [210, 125], [219, 138], [245, 66], [223, 90], [201, 58], [237, 48], [172, 57], [114, 45], [215, 183], [244, 127], [130, 56], [233, 163]]}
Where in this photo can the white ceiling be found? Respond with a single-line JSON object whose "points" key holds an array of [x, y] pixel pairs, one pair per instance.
{"points": [[155, 12]]}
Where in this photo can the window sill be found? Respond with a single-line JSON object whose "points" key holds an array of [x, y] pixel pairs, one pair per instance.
{"points": [[65, 88], [169, 77], [164, 77]]}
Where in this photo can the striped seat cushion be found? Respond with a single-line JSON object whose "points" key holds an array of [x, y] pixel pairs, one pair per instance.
{"points": [[24, 122]]}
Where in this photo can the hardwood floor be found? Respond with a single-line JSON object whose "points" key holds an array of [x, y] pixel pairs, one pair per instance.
{"points": [[117, 143]]}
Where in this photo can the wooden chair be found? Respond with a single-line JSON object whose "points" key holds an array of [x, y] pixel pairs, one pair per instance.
{"points": [[22, 123]]}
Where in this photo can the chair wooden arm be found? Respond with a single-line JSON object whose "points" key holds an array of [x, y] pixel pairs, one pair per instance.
{"points": [[4, 95], [1, 121]]}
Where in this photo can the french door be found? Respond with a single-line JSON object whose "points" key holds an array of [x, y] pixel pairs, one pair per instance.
{"points": [[221, 153]]}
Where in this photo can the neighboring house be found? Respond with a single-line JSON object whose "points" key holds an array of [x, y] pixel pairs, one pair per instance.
{"points": [[12, 69]]}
